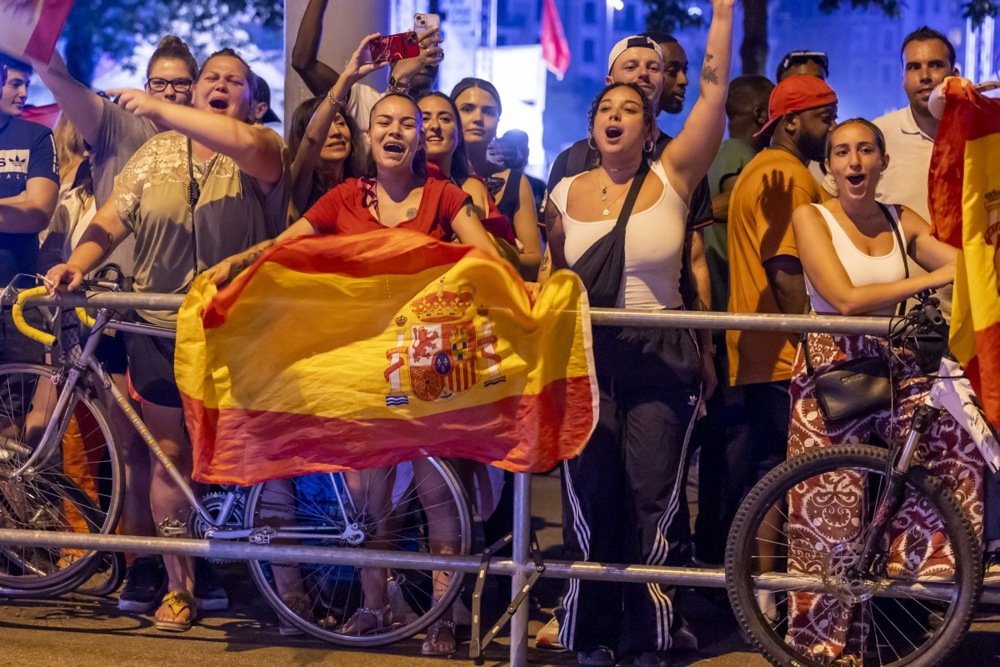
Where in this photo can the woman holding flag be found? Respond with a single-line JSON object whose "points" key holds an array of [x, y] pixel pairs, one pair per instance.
{"points": [[402, 196]]}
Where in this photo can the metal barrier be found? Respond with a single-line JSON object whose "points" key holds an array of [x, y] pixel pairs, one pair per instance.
{"points": [[521, 566]]}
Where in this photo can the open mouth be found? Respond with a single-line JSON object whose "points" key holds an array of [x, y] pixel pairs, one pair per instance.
{"points": [[613, 132], [393, 147], [856, 179], [219, 104]]}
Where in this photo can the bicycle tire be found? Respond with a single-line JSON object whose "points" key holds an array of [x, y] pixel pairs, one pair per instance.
{"points": [[769, 634], [334, 592], [78, 489]]}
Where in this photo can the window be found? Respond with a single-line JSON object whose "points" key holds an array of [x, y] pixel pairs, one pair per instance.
{"points": [[588, 51], [589, 13]]}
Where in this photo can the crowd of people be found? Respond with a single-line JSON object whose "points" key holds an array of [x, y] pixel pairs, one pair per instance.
{"points": [[793, 213]]}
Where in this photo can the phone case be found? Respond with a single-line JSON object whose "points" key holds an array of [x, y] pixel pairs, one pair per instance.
{"points": [[424, 22], [391, 48]]}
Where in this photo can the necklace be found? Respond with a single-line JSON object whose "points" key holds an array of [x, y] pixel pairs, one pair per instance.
{"points": [[604, 194], [618, 170]]}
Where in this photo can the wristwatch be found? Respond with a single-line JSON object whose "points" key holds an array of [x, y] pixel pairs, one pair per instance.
{"points": [[397, 86]]}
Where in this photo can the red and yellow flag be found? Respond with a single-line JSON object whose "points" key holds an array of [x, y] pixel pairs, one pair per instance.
{"points": [[965, 208], [341, 352]]}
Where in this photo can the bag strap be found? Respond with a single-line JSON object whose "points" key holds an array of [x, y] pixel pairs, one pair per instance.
{"points": [[906, 272], [633, 194]]}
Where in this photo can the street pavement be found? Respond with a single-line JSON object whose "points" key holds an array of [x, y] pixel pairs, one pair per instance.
{"points": [[81, 630]]}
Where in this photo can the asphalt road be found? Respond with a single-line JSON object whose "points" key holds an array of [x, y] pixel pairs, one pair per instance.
{"points": [[81, 630]]}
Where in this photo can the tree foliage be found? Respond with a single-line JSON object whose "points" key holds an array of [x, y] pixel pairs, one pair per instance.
{"points": [[116, 27]]}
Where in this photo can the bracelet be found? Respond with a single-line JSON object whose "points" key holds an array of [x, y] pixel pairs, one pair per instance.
{"points": [[396, 87], [334, 102]]}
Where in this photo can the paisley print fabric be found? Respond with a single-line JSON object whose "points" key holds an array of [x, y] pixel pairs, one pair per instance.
{"points": [[823, 511]]}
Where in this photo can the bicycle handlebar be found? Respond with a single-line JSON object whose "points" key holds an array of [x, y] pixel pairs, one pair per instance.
{"points": [[37, 335]]}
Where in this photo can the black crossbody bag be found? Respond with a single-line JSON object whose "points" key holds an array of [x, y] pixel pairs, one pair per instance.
{"points": [[861, 385], [601, 267]]}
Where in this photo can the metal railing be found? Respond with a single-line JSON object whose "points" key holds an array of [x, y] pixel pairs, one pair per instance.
{"points": [[521, 565]]}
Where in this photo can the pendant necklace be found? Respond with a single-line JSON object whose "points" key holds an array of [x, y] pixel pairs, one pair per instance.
{"points": [[604, 197]]}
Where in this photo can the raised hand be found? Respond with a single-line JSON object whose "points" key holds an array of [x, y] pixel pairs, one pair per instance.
{"points": [[138, 102]]}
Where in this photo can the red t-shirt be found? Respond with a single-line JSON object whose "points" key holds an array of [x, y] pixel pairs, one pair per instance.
{"points": [[344, 210]]}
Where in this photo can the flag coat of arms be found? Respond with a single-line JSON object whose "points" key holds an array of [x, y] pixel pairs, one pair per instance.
{"points": [[964, 198], [30, 28], [347, 352]]}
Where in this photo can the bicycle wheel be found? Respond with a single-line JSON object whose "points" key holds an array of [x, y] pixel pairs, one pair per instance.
{"points": [[76, 488], [902, 612], [418, 507]]}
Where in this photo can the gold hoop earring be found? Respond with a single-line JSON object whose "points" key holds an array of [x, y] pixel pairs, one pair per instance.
{"points": [[590, 143]]}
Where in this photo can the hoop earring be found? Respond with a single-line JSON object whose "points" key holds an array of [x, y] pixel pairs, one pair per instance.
{"points": [[590, 143], [648, 146]]}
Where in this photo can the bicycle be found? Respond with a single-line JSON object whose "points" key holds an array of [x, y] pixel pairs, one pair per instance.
{"points": [[44, 486], [905, 617]]}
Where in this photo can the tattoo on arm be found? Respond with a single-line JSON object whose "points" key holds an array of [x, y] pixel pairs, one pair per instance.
{"points": [[709, 74], [470, 210], [251, 256], [544, 266]]}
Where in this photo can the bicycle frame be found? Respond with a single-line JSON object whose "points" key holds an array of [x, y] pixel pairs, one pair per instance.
{"points": [[84, 363]]}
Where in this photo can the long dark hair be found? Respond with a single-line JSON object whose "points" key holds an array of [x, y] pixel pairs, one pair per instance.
{"points": [[354, 165], [474, 82], [459, 161]]}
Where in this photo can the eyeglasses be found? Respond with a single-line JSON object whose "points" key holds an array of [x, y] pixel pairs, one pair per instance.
{"points": [[793, 58], [158, 85]]}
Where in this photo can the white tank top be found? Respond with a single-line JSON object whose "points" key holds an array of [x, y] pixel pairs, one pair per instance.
{"points": [[861, 268], [654, 243]]}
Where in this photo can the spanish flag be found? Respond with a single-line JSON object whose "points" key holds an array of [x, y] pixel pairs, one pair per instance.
{"points": [[349, 352], [965, 209]]}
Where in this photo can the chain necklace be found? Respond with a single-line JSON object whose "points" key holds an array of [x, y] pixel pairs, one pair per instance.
{"points": [[604, 194]]}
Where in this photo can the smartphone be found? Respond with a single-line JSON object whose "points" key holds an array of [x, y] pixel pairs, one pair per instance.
{"points": [[390, 48], [424, 22]]}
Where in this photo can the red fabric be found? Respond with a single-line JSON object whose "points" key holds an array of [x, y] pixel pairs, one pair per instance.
{"points": [[342, 211], [555, 48], [495, 222], [47, 115], [43, 38], [262, 450]]}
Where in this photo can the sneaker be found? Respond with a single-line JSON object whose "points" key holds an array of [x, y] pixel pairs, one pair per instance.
{"points": [[601, 656], [548, 636], [145, 584], [209, 595]]}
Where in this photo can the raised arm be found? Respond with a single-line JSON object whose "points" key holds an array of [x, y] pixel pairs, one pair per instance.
{"points": [[828, 276], [255, 148], [688, 157], [318, 77], [81, 105], [359, 65]]}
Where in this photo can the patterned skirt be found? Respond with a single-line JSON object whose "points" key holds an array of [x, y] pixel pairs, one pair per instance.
{"points": [[823, 511]]}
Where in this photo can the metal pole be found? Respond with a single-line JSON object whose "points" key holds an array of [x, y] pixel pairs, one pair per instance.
{"points": [[521, 549]]}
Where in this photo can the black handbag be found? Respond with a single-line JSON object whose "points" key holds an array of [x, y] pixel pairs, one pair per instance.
{"points": [[601, 266], [859, 386]]}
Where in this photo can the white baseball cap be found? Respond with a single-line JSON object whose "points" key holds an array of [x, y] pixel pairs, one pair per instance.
{"points": [[629, 42]]}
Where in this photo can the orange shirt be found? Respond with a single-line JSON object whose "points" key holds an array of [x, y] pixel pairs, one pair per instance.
{"points": [[760, 214]]}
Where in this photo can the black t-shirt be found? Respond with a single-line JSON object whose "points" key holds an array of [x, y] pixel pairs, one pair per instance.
{"points": [[26, 151], [579, 158]]}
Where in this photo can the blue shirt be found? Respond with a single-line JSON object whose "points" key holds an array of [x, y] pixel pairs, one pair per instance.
{"points": [[27, 151]]}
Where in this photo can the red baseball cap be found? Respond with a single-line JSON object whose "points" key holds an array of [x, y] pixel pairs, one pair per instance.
{"points": [[797, 93]]}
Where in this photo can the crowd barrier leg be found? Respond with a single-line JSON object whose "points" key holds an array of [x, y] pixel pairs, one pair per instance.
{"points": [[522, 560]]}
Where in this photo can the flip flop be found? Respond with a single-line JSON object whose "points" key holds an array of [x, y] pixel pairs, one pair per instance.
{"points": [[178, 601]]}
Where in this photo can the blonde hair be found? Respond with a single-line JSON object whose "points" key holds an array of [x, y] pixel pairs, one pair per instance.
{"points": [[70, 149]]}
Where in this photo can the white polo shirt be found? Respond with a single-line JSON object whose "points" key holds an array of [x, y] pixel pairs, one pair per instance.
{"points": [[905, 180]]}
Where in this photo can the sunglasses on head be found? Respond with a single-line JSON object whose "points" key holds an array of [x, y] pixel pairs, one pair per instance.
{"points": [[802, 57]]}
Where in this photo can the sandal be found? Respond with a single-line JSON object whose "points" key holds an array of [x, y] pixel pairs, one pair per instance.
{"points": [[178, 601], [437, 640], [300, 605], [381, 619]]}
